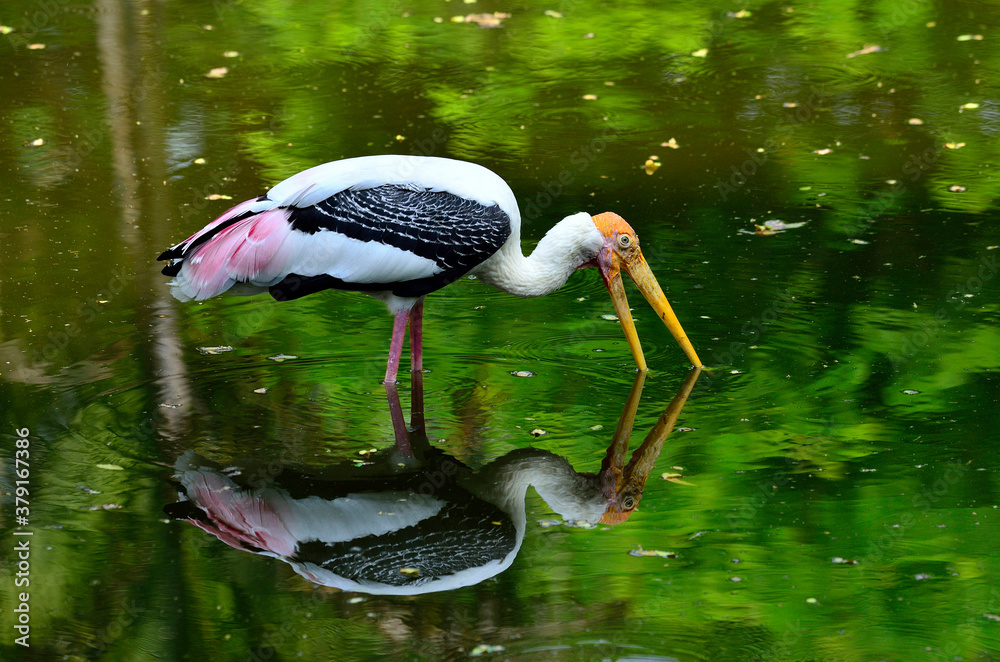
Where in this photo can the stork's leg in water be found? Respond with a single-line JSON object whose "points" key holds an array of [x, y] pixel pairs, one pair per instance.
{"points": [[417, 337], [415, 317], [417, 403], [417, 367], [396, 346], [398, 422]]}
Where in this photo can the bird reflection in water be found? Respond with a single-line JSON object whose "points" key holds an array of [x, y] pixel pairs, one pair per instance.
{"points": [[415, 520]]}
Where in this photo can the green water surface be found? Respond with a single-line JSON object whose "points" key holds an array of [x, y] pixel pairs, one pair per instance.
{"points": [[840, 475]]}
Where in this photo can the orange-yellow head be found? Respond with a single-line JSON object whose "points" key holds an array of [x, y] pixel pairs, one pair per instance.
{"points": [[621, 251]]}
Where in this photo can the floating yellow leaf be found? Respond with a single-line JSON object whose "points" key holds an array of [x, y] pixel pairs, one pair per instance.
{"points": [[954, 145], [652, 552], [590, 97], [868, 48], [218, 72], [212, 351], [701, 52], [110, 467], [282, 357], [743, 13], [37, 142], [553, 13], [219, 196], [969, 106], [675, 477], [482, 649], [6, 29], [915, 121], [651, 166], [774, 227], [969, 37], [956, 189], [231, 54], [822, 152], [494, 20], [672, 144], [35, 47]]}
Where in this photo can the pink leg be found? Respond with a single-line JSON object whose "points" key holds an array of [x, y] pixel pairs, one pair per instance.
{"points": [[417, 337], [417, 401], [398, 423], [395, 347]]}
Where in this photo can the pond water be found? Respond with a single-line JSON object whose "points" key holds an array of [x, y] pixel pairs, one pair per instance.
{"points": [[831, 488]]}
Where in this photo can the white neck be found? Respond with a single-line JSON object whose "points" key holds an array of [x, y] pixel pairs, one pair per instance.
{"points": [[574, 496], [571, 243]]}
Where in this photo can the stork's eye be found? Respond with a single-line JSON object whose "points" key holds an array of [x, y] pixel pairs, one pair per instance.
{"points": [[624, 241], [628, 503]]}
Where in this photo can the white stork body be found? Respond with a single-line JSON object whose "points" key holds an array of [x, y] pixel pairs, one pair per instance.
{"points": [[397, 228]]}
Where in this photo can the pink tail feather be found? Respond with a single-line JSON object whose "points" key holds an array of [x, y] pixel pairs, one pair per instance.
{"points": [[254, 250]]}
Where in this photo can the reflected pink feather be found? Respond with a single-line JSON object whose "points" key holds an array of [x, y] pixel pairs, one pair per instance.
{"points": [[239, 518]]}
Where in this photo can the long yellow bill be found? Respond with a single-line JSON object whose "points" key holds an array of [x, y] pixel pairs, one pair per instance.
{"points": [[644, 279], [624, 483], [621, 251]]}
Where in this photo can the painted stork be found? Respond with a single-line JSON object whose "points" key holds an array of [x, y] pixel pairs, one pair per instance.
{"points": [[399, 228], [414, 520]]}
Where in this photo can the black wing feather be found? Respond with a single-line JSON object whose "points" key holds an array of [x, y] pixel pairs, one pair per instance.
{"points": [[456, 233]]}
